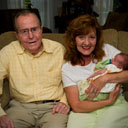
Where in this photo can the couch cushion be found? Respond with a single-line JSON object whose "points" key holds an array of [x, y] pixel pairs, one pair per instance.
{"points": [[6, 38], [55, 36], [123, 41], [110, 37], [6, 94]]}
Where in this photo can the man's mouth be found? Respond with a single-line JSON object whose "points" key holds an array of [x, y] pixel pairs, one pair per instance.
{"points": [[32, 42]]}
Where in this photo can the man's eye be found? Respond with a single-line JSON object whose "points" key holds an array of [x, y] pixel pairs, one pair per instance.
{"points": [[24, 31], [34, 29]]}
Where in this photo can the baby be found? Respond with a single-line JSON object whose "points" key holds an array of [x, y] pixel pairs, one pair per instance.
{"points": [[117, 64]]}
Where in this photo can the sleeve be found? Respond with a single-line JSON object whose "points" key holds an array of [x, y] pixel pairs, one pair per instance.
{"points": [[67, 81], [2, 112], [3, 74]]}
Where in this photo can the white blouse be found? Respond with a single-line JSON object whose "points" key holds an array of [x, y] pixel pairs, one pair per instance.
{"points": [[71, 75]]}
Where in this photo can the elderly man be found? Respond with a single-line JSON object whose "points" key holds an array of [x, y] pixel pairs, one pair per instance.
{"points": [[33, 67]]}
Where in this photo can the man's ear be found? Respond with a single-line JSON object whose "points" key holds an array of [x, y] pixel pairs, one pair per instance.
{"points": [[16, 34], [42, 28]]}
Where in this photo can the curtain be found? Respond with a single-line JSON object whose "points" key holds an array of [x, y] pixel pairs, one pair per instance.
{"points": [[47, 9], [103, 7], [15, 4]]}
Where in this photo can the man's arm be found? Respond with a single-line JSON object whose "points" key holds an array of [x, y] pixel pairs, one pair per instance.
{"points": [[6, 122], [62, 107]]}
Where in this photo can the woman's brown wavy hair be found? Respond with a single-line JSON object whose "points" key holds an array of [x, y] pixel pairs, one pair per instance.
{"points": [[82, 26]]}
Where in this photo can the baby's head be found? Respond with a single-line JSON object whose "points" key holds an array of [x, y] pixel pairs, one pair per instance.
{"points": [[121, 61]]}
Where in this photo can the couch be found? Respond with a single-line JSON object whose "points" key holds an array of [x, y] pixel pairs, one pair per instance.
{"points": [[121, 23], [119, 39]]}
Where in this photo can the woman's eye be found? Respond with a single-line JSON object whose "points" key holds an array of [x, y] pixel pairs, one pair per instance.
{"points": [[92, 37], [81, 37]]}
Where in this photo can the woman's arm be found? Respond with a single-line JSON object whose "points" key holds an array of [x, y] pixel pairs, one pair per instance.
{"points": [[88, 106], [99, 83], [120, 77]]}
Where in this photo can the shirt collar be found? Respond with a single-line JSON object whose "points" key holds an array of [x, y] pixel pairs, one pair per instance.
{"points": [[46, 47]]}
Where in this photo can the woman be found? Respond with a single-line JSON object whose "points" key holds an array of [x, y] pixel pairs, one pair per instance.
{"points": [[84, 48]]}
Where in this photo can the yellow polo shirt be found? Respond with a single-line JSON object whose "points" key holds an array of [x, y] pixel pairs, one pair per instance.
{"points": [[33, 78]]}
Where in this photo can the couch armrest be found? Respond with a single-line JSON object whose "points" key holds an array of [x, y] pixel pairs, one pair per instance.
{"points": [[6, 93], [125, 91]]}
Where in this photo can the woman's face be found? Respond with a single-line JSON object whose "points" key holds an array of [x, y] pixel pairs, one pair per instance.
{"points": [[86, 43]]}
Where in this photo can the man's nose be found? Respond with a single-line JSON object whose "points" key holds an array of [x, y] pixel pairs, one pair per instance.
{"points": [[30, 34]]}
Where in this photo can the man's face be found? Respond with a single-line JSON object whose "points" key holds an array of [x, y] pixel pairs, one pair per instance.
{"points": [[29, 33]]}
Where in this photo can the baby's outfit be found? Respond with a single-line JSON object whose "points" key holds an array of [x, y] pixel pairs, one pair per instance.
{"points": [[84, 84]]}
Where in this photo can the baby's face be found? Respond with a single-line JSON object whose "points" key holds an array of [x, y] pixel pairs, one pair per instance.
{"points": [[118, 60]]}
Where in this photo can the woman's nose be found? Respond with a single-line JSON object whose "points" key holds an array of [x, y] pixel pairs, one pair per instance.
{"points": [[86, 40]]}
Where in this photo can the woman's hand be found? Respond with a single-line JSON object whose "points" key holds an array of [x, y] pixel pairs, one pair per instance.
{"points": [[114, 94], [95, 87]]}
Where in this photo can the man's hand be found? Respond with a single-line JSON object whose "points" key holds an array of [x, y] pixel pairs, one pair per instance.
{"points": [[6, 122], [60, 108]]}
